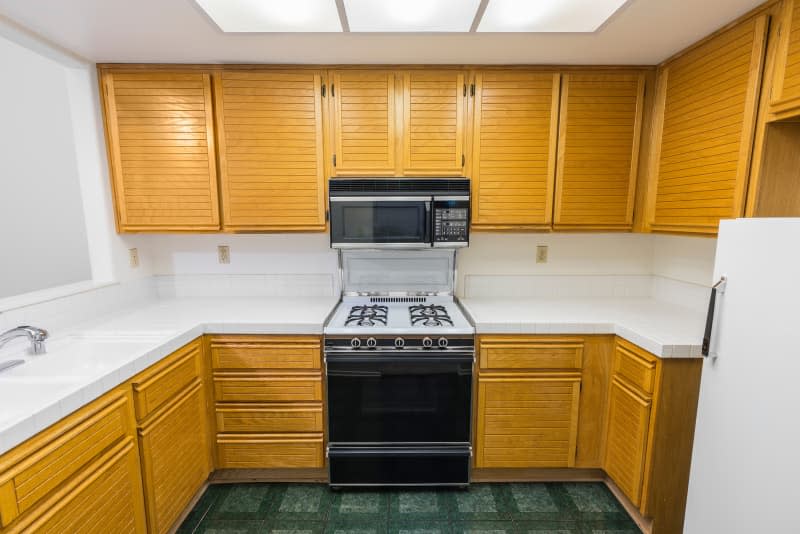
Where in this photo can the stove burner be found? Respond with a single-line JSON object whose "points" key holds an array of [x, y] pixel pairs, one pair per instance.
{"points": [[429, 315], [367, 315]]}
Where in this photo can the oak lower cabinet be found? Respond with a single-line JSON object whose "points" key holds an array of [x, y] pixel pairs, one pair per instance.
{"points": [[80, 475], [268, 402], [173, 437]]}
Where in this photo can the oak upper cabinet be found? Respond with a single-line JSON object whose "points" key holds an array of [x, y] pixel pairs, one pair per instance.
{"points": [[786, 85], [705, 116], [598, 150], [269, 126], [159, 130], [514, 149], [365, 123], [434, 122]]}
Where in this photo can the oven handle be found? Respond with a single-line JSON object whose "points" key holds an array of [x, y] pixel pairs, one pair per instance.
{"points": [[382, 357], [398, 451]]}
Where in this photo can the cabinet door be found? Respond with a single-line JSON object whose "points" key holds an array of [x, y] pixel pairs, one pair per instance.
{"points": [[514, 149], [527, 420], [160, 134], [598, 150], [626, 442], [708, 97], [786, 86], [434, 122], [364, 123], [175, 457], [269, 125]]}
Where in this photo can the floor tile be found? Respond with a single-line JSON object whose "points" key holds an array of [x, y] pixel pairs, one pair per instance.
{"points": [[418, 506], [481, 502], [243, 502], [356, 527], [482, 527], [280, 526], [419, 527], [546, 527], [301, 502], [355, 505], [201, 508], [539, 502], [228, 526], [610, 527], [594, 502]]}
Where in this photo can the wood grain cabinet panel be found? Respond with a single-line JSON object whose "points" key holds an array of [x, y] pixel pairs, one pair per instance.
{"points": [[277, 418], [786, 86], [270, 451], [266, 352], [175, 457], [269, 125], [635, 365], [707, 100], [524, 352], [434, 122], [598, 150], [514, 149], [527, 420], [365, 122], [267, 387], [160, 136], [628, 426]]}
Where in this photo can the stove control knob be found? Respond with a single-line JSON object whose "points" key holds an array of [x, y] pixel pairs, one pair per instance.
{"points": [[355, 343], [399, 342], [372, 342], [442, 341], [427, 342]]}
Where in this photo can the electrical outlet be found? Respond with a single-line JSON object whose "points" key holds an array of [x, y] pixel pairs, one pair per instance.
{"points": [[224, 253], [133, 256], [541, 254]]}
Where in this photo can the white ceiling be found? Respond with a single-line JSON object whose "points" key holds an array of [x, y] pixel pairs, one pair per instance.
{"points": [[644, 32]]}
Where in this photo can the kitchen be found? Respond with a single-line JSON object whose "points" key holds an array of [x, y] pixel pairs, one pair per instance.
{"points": [[376, 266]]}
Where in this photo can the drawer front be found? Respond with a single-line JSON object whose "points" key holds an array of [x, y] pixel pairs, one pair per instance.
{"points": [[107, 497], [156, 386], [66, 454], [269, 418], [269, 451], [175, 458], [527, 421], [635, 366], [521, 352], [265, 352], [229, 387]]}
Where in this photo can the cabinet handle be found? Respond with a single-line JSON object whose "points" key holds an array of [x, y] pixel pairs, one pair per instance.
{"points": [[323, 90], [719, 287], [333, 90], [463, 160]]}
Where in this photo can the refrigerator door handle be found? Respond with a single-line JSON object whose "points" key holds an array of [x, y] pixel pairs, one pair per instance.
{"points": [[719, 287]]}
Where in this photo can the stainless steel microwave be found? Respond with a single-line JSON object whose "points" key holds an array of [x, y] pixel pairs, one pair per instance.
{"points": [[399, 213]]}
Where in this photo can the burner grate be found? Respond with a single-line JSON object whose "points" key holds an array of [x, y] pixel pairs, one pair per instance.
{"points": [[367, 315], [429, 315]]}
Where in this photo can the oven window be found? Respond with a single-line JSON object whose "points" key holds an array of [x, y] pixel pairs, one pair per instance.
{"points": [[379, 222], [399, 403]]}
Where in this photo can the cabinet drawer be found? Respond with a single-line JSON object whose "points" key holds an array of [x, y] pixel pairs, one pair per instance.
{"points": [[268, 451], [267, 387], [269, 417], [157, 385], [265, 352], [64, 451], [636, 366], [520, 352], [106, 497]]}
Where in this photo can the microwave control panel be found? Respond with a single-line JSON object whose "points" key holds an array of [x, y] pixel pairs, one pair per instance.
{"points": [[451, 221]]}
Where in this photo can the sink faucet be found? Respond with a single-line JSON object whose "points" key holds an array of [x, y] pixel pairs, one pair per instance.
{"points": [[35, 335]]}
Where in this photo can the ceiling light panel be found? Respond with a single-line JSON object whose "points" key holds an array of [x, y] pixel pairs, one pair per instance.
{"points": [[547, 15], [273, 15], [410, 15]]}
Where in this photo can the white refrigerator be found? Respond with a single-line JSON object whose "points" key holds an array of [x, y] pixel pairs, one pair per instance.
{"points": [[745, 474]]}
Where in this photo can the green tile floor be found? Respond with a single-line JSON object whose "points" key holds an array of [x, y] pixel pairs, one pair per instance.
{"points": [[549, 508]]}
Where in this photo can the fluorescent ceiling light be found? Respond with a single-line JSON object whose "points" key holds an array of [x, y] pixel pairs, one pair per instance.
{"points": [[273, 15], [547, 15], [410, 15]]}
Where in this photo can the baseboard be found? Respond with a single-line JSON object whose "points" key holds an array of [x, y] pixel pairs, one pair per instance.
{"points": [[189, 508], [644, 524], [569, 474], [230, 476]]}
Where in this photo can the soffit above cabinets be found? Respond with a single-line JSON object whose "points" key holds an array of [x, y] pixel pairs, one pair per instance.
{"points": [[641, 32]]}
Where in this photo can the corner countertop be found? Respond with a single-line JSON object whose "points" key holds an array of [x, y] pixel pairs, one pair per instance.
{"points": [[664, 329], [88, 361]]}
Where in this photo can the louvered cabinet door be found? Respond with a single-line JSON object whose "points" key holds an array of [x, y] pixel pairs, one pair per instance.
{"points": [[269, 125], [786, 87], [434, 123], [514, 149], [598, 150], [159, 127], [365, 123], [626, 442], [709, 100]]}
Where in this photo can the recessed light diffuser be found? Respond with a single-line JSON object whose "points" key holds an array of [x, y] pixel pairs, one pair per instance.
{"points": [[410, 15], [273, 15], [547, 15]]}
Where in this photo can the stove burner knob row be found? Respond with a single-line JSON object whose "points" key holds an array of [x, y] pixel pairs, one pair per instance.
{"points": [[427, 342], [399, 342], [372, 342], [442, 341], [355, 343]]}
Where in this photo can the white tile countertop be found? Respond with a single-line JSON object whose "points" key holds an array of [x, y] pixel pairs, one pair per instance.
{"points": [[664, 329], [86, 362]]}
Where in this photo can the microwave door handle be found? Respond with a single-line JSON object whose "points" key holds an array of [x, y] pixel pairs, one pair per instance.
{"points": [[719, 287]]}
